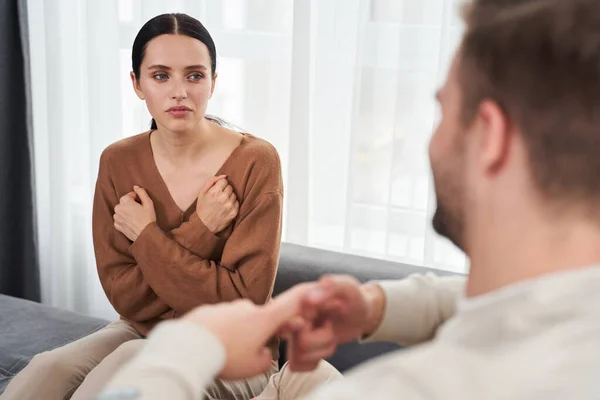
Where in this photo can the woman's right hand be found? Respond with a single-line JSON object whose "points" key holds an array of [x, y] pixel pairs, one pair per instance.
{"points": [[217, 205]]}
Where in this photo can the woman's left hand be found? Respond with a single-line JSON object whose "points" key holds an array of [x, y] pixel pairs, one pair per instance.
{"points": [[131, 217]]}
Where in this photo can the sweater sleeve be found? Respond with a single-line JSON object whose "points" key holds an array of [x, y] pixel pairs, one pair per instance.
{"points": [[416, 307], [121, 278], [196, 237], [247, 268]]}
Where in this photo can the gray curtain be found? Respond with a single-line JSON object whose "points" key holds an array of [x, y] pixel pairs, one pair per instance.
{"points": [[19, 272]]}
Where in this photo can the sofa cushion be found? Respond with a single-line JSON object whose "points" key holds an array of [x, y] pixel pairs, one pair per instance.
{"points": [[28, 328], [300, 264]]}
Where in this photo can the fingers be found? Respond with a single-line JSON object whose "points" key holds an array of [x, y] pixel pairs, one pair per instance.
{"points": [[236, 205], [308, 347], [219, 186], [295, 364], [131, 195], [211, 182], [305, 302], [334, 307], [121, 210], [128, 198], [316, 340], [119, 217], [231, 198], [291, 327], [340, 286], [288, 305], [226, 197], [143, 195]]}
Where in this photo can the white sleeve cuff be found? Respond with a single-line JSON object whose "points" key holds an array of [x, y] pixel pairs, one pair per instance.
{"points": [[416, 306]]}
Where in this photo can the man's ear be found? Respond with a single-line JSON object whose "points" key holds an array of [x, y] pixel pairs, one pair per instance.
{"points": [[136, 86], [496, 133], [214, 82]]}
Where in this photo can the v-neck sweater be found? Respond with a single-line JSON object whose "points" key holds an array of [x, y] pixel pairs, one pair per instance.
{"points": [[177, 263]]}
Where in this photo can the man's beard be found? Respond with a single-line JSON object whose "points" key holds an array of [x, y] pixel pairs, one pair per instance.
{"points": [[448, 223]]}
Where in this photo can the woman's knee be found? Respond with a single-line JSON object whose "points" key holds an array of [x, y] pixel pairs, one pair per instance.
{"points": [[322, 373], [130, 348], [288, 384], [101, 375], [48, 375], [124, 352], [54, 365], [327, 372]]}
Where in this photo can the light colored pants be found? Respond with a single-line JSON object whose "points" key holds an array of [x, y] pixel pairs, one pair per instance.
{"points": [[288, 385], [80, 369]]}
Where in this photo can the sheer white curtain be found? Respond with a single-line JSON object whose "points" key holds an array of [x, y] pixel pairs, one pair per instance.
{"points": [[343, 88]]}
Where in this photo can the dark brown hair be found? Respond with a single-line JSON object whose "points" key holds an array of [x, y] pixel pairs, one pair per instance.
{"points": [[539, 60], [179, 24]]}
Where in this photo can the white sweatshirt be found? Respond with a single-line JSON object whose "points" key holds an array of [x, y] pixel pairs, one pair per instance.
{"points": [[534, 340]]}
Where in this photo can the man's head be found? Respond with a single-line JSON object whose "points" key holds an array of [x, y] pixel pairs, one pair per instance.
{"points": [[520, 113]]}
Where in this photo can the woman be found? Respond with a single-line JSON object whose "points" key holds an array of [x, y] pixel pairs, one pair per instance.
{"points": [[186, 214]]}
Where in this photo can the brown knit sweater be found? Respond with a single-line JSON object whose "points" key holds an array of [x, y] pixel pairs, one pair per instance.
{"points": [[177, 263]]}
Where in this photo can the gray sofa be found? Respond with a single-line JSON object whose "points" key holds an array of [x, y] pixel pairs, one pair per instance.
{"points": [[28, 328]]}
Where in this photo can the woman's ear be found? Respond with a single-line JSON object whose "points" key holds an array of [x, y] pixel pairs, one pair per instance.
{"points": [[214, 81], [136, 86]]}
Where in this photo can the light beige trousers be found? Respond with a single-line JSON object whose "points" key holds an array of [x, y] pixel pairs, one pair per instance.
{"points": [[288, 385], [80, 369]]}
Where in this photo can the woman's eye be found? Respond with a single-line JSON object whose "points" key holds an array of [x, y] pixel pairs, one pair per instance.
{"points": [[196, 77], [160, 77]]}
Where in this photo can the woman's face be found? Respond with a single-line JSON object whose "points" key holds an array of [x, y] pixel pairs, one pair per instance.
{"points": [[175, 81]]}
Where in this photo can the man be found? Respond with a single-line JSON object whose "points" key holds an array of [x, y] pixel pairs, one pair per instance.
{"points": [[515, 159]]}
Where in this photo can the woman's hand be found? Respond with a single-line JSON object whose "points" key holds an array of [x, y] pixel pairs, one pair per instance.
{"points": [[217, 205], [131, 217]]}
